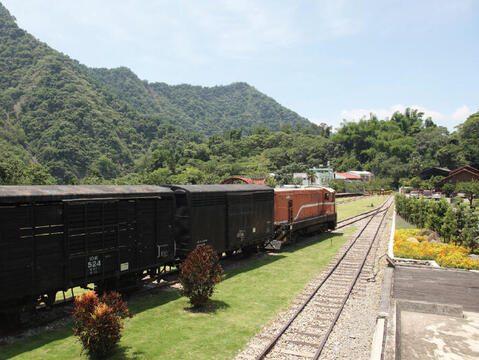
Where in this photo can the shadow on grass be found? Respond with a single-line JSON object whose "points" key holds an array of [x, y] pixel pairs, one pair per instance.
{"points": [[267, 259], [211, 307], [138, 305], [312, 240], [122, 352], [31, 343]]}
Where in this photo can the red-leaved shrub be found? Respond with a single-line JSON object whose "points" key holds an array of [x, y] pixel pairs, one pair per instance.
{"points": [[199, 273], [98, 322], [116, 303]]}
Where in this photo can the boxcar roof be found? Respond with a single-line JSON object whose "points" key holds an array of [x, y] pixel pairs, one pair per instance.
{"points": [[222, 188], [27, 193]]}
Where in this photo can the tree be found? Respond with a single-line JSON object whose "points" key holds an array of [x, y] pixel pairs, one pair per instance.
{"points": [[448, 189], [416, 182], [449, 225], [106, 168], [436, 181], [468, 134], [469, 234], [425, 185], [471, 189]]}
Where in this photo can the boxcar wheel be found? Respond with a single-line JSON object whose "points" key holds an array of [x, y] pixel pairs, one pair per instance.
{"points": [[50, 299]]}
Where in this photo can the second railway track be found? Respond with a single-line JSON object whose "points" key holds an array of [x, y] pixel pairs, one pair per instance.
{"points": [[304, 331]]}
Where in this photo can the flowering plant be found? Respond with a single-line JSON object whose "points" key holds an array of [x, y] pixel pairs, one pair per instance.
{"points": [[446, 255]]}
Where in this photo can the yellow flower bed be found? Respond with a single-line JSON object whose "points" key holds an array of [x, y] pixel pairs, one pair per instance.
{"points": [[446, 255]]}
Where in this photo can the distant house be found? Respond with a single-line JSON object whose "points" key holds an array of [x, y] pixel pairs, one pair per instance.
{"points": [[426, 174], [323, 176], [463, 174], [365, 175], [319, 176], [347, 176], [302, 177]]}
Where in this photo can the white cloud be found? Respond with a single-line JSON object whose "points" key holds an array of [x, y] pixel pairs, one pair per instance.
{"points": [[461, 114]]}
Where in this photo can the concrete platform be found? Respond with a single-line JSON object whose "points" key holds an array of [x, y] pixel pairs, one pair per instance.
{"points": [[438, 286], [437, 313], [430, 336]]}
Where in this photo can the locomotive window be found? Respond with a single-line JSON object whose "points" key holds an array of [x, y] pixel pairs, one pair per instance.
{"points": [[326, 196]]}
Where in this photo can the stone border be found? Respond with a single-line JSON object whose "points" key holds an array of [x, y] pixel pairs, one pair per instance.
{"points": [[379, 338]]}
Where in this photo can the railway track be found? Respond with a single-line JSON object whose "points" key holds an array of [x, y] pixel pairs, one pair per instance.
{"points": [[354, 219], [303, 335], [348, 200]]}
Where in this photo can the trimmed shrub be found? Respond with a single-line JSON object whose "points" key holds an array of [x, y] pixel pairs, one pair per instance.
{"points": [[116, 303], [199, 274], [454, 223], [98, 322]]}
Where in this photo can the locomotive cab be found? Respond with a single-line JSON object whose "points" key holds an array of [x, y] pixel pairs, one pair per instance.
{"points": [[303, 211]]}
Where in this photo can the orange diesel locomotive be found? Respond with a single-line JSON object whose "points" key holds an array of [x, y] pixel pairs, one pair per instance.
{"points": [[303, 211]]}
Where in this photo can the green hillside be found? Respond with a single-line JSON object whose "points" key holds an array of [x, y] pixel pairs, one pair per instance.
{"points": [[63, 122], [67, 117]]}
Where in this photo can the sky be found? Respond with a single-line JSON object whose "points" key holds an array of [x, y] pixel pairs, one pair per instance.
{"points": [[328, 61]]}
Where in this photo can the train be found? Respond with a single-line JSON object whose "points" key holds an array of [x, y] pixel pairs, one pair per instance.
{"points": [[53, 238]]}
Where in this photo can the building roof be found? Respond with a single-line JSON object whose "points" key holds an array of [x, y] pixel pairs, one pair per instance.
{"points": [[346, 176], [434, 171], [360, 172], [244, 180], [468, 169]]}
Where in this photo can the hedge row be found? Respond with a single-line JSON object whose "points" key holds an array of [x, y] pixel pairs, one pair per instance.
{"points": [[455, 223]]}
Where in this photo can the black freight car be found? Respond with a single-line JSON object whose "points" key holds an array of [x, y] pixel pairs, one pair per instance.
{"points": [[56, 237], [228, 217]]}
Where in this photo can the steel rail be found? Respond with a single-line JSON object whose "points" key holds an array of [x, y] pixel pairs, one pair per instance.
{"points": [[358, 273], [366, 214], [281, 332]]}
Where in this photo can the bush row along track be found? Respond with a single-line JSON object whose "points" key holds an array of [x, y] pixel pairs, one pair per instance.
{"points": [[303, 331]]}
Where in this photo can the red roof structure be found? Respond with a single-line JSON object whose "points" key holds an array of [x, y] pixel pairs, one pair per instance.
{"points": [[346, 176], [232, 180]]}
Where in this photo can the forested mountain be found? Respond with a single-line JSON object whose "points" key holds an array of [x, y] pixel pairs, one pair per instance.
{"points": [[65, 116], [63, 122], [205, 110]]}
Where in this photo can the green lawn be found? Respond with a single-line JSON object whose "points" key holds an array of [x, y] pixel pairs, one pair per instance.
{"points": [[359, 206], [164, 327]]}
